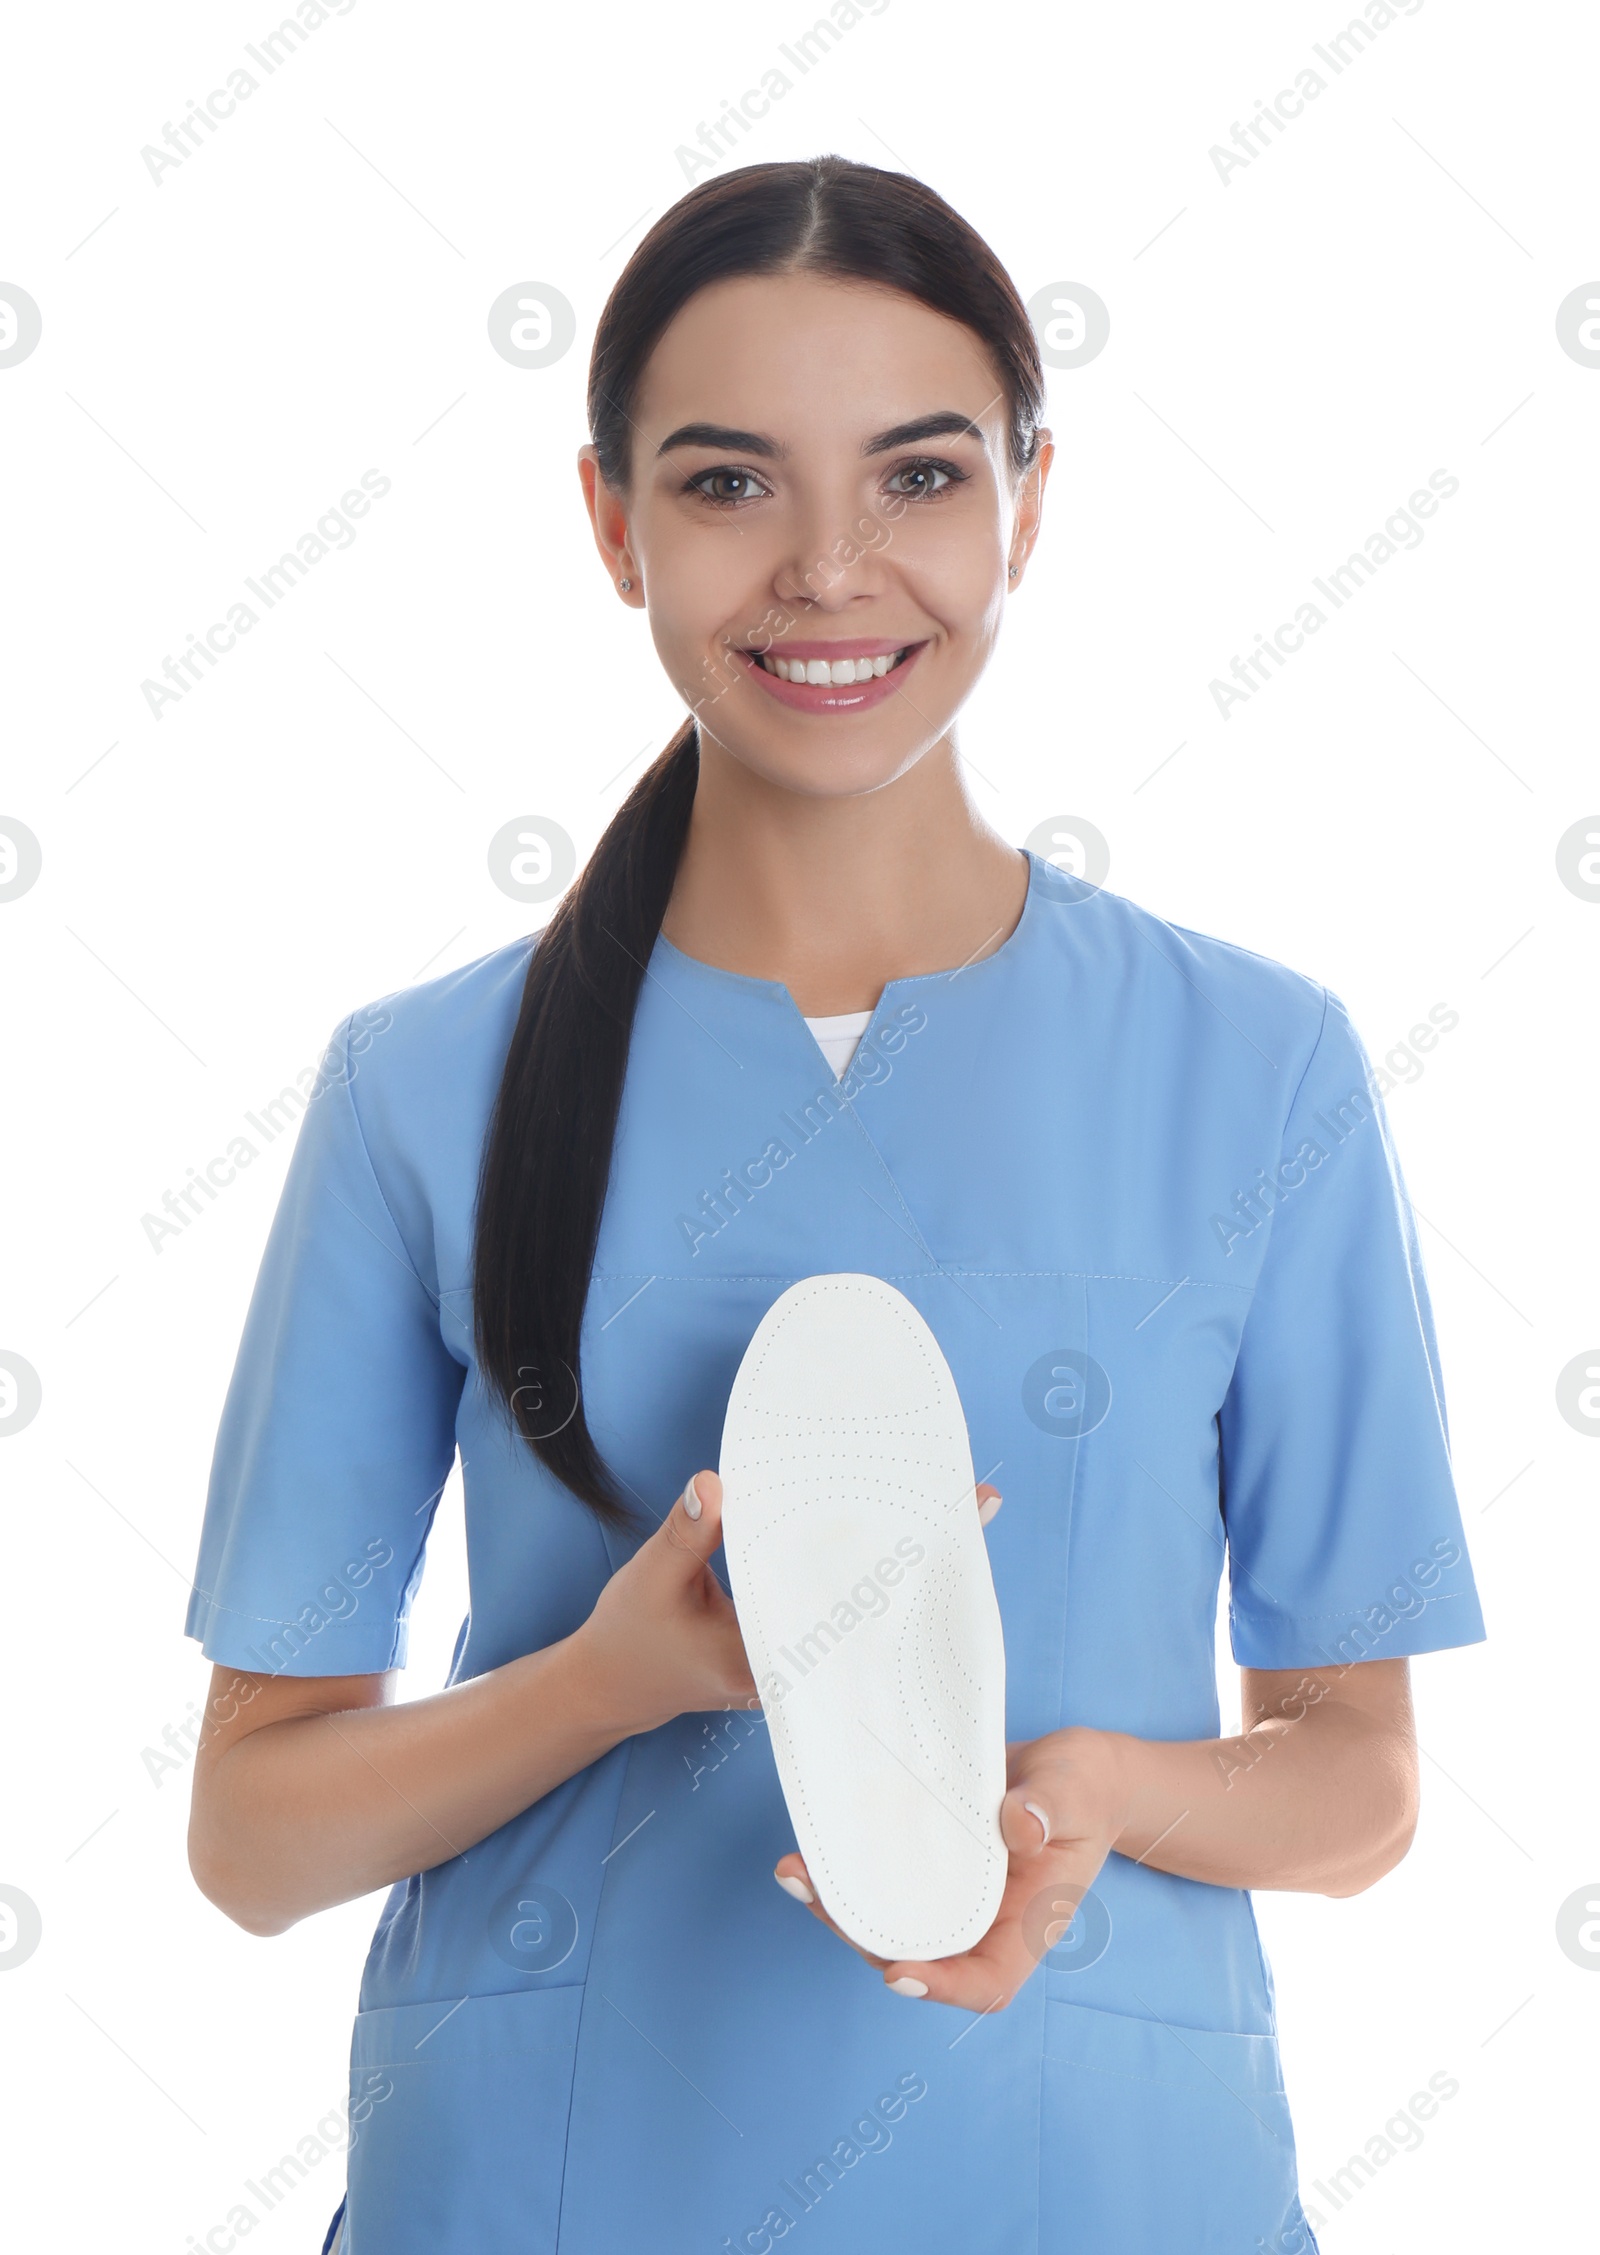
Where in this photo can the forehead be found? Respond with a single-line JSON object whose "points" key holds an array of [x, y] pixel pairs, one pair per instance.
{"points": [[803, 356]]}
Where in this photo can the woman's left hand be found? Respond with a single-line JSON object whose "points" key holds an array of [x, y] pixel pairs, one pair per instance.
{"points": [[1065, 1805]]}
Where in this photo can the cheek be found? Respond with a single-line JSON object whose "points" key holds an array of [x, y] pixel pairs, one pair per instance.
{"points": [[954, 568]]}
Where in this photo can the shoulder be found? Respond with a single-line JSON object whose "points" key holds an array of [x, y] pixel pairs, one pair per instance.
{"points": [[1215, 970], [434, 1050]]}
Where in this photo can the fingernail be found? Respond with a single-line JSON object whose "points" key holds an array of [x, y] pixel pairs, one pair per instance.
{"points": [[691, 1502], [795, 1887], [909, 1986], [1034, 1810], [987, 1509]]}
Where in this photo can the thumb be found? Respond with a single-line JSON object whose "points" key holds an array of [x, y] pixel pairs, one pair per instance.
{"points": [[1025, 1823], [692, 1529]]}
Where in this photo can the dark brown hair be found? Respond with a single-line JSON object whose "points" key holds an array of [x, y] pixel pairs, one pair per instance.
{"points": [[547, 1155]]}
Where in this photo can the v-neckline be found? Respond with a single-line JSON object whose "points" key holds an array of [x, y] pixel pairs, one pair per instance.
{"points": [[1041, 876]]}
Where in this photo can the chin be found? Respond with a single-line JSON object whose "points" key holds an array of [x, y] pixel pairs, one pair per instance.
{"points": [[823, 770]]}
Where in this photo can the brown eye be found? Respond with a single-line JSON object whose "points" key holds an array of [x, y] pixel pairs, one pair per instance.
{"points": [[919, 481], [726, 485]]}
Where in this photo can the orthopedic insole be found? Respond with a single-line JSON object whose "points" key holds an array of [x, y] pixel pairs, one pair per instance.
{"points": [[860, 1576]]}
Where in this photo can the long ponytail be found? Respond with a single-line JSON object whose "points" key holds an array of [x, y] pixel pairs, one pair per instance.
{"points": [[547, 1157]]}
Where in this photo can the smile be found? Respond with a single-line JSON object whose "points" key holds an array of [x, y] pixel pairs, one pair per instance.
{"points": [[832, 677]]}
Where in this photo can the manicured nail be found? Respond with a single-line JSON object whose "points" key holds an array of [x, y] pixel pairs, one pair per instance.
{"points": [[1034, 1810], [795, 1887], [909, 1986], [987, 1509], [691, 1502]]}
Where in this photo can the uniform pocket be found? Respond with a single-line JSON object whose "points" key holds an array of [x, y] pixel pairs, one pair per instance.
{"points": [[458, 2121], [1161, 2140]]}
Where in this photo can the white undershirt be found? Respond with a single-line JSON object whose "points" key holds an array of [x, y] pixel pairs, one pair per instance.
{"points": [[837, 1037]]}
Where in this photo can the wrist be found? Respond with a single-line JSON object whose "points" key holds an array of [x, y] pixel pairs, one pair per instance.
{"points": [[1103, 1767], [596, 1693]]}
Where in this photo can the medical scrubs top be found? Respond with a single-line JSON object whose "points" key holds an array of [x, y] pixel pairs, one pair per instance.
{"points": [[1139, 1183]]}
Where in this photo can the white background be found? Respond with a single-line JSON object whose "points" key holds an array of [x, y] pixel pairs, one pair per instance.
{"points": [[1292, 352]]}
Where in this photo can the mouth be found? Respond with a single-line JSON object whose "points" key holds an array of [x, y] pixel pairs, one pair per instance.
{"points": [[832, 677]]}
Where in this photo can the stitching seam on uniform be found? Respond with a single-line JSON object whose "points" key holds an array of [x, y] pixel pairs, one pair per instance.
{"points": [[1087, 1275], [348, 1085]]}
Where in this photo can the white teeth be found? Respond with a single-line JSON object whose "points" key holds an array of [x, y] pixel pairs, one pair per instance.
{"points": [[822, 673]]}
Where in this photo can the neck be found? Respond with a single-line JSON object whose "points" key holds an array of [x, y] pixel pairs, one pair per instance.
{"points": [[836, 896]]}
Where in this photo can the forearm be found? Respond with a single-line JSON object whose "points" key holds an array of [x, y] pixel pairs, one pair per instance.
{"points": [[1323, 1803], [317, 1808]]}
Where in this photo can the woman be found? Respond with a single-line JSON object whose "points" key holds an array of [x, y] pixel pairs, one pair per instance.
{"points": [[1135, 1180]]}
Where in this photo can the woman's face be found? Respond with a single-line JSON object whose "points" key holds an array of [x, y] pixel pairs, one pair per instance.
{"points": [[820, 480]]}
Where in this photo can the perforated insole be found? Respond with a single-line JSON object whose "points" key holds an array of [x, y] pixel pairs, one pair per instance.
{"points": [[861, 1579]]}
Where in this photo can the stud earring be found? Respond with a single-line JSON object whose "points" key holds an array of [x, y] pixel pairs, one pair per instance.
{"points": [[1013, 571], [624, 584]]}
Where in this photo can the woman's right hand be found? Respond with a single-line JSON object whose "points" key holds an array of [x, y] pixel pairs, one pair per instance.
{"points": [[663, 1639]]}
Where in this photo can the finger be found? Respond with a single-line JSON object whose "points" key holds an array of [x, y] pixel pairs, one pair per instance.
{"points": [[981, 1980], [1026, 1825], [792, 1876], [986, 1977], [989, 1502], [694, 1524]]}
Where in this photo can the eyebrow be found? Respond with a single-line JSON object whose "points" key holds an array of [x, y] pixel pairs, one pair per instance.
{"points": [[946, 423]]}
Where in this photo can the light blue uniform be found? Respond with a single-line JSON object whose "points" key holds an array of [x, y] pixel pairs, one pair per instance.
{"points": [[1136, 1182]]}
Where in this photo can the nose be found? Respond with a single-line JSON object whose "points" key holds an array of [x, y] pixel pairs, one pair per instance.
{"points": [[836, 558]]}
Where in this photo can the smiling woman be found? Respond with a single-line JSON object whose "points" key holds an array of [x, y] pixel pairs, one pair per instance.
{"points": [[817, 466]]}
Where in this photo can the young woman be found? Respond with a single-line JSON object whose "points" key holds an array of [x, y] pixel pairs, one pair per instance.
{"points": [[1136, 1180]]}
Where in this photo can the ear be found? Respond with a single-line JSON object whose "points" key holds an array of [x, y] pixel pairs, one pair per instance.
{"points": [[608, 515], [1028, 508]]}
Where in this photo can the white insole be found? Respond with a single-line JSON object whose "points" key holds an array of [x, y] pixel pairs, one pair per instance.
{"points": [[861, 1579]]}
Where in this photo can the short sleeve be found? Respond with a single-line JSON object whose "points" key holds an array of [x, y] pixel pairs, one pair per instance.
{"points": [[338, 1430], [1344, 1532]]}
